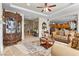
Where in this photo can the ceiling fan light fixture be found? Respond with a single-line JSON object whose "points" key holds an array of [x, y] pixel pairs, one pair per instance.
{"points": [[46, 9]]}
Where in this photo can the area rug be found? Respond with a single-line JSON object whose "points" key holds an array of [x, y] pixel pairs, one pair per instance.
{"points": [[37, 50]]}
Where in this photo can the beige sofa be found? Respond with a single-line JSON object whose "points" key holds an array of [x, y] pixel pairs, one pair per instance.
{"points": [[59, 37], [62, 49], [63, 37]]}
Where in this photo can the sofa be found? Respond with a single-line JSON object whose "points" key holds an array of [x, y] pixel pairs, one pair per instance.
{"points": [[62, 49], [65, 37], [61, 38]]}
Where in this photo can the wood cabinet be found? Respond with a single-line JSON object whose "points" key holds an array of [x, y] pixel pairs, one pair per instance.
{"points": [[11, 28], [65, 25]]}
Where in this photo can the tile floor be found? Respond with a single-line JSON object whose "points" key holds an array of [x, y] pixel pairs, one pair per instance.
{"points": [[30, 46]]}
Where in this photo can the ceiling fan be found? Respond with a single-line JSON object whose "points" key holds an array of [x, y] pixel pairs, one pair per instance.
{"points": [[46, 8]]}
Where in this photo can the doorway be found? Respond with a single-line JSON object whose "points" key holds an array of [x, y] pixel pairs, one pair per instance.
{"points": [[31, 28]]}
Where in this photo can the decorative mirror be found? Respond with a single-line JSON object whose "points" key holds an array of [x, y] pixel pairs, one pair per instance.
{"points": [[10, 25]]}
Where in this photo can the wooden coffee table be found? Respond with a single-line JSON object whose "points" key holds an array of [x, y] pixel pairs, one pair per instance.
{"points": [[46, 43]]}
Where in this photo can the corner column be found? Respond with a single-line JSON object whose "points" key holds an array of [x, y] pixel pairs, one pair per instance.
{"points": [[78, 23], [22, 26], [1, 30], [41, 20]]}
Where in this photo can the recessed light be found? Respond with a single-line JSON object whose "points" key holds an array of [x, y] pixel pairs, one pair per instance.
{"points": [[53, 23], [28, 4]]}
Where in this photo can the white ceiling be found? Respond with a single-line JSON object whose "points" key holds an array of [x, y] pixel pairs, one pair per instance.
{"points": [[33, 6], [31, 12]]}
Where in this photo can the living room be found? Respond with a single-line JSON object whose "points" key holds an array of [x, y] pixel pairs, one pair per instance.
{"points": [[55, 28]]}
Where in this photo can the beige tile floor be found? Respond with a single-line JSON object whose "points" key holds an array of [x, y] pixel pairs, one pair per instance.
{"points": [[30, 46]]}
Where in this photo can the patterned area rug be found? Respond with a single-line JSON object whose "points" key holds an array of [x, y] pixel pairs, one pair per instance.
{"points": [[37, 50]]}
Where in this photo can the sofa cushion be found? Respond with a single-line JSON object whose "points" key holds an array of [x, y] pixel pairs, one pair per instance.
{"points": [[60, 38], [62, 49]]}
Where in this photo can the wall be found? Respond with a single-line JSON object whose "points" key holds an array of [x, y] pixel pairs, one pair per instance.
{"points": [[1, 31], [65, 17], [41, 20]]}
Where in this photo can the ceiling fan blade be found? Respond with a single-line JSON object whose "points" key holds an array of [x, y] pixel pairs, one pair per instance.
{"points": [[45, 4], [40, 7], [49, 9], [52, 6], [42, 10]]}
